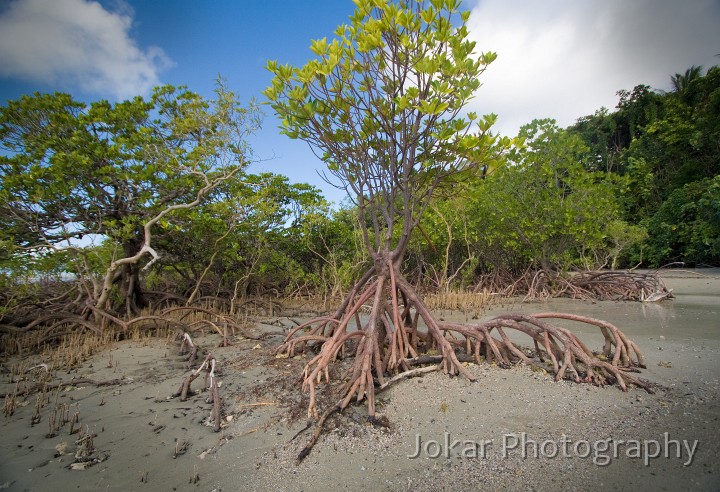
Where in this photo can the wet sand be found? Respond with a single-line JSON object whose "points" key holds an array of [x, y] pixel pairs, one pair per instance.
{"points": [[536, 434]]}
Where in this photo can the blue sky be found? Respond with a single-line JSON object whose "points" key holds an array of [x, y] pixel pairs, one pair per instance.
{"points": [[557, 58]]}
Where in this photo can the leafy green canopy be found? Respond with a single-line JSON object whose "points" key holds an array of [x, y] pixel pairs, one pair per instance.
{"points": [[69, 169], [381, 105], [686, 227], [543, 208], [665, 144], [250, 229]]}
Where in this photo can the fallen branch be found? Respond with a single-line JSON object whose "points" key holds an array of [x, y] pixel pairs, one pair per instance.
{"points": [[72, 382], [258, 404], [318, 430], [321, 421]]}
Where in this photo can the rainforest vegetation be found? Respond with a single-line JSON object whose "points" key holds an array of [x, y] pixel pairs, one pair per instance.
{"points": [[119, 215], [638, 185]]}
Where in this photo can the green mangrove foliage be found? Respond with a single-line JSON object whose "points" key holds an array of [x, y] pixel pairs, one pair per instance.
{"points": [[153, 195], [118, 172], [666, 145]]}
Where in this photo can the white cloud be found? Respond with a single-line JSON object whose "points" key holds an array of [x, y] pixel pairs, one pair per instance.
{"points": [[76, 43], [565, 59]]}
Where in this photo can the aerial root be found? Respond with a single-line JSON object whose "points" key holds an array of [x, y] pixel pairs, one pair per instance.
{"points": [[389, 343], [569, 356], [382, 347]]}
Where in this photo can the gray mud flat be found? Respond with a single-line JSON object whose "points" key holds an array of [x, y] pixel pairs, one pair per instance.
{"points": [[513, 429]]}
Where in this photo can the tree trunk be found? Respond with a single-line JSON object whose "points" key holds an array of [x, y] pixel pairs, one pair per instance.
{"points": [[132, 298]]}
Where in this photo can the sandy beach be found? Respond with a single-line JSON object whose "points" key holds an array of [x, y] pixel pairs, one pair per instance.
{"points": [[514, 429]]}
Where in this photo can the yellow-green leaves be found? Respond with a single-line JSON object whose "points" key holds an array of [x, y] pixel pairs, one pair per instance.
{"points": [[460, 125], [427, 65], [369, 37], [392, 83], [403, 102], [306, 74], [428, 15], [298, 93], [404, 19], [488, 57], [319, 46], [412, 92], [488, 121], [433, 107]]}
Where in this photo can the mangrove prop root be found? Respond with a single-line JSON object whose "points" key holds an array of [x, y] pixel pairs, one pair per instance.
{"points": [[601, 285], [188, 348], [215, 414], [569, 356], [380, 347], [395, 336]]}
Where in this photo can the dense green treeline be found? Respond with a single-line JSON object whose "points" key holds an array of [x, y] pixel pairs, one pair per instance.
{"points": [[667, 148], [161, 186], [637, 186]]}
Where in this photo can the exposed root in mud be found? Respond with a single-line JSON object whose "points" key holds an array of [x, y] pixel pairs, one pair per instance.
{"points": [[392, 339], [569, 356], [380, 346], [36, 330], [209, 365], [600, 285]]}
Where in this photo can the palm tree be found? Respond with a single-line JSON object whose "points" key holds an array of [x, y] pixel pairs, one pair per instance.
{"points": [[681, 82]]}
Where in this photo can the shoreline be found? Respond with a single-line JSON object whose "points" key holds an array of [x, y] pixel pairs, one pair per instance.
{"points": [[155, 442]]}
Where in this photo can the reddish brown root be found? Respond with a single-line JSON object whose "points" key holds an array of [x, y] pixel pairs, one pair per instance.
{"points": [[603, 285], [569, 356], [389, 343], [381, 347]]}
